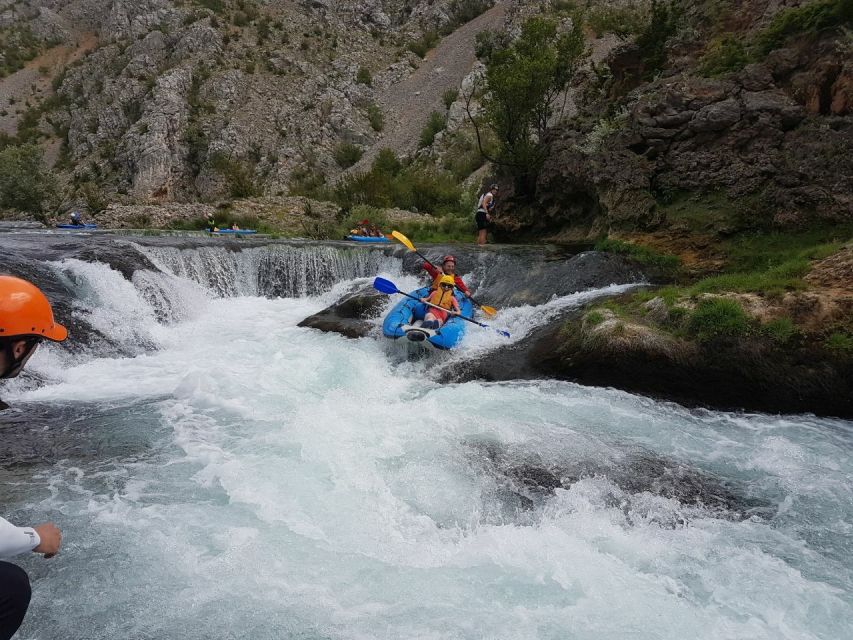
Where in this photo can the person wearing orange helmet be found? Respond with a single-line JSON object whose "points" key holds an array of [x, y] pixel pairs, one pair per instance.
{"points": [[26, 318], [448, 268]]}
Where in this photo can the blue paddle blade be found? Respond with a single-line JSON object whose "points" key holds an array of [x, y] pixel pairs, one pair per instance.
{"points": [[503, 333], [384, 286]]}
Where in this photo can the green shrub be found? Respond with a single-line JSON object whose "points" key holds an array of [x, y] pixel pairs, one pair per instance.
{"points": [[807, 19], [449, 97], [375, 117], [594, 318], [25, 182], [363, 76], [436, 123], [723, 55], [462, 11], [840, 343], [718, 317], [347, 154], [462, 157], [239, 175], [426, 42], [664, 18], [780, 330], [217, 6], [622, 21], [641, 254]]}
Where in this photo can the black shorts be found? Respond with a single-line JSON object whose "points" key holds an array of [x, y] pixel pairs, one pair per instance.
{"points": [[480, 219]]}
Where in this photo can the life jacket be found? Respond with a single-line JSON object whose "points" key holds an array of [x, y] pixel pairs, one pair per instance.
{"points": [[481, 206], [442, 299]]}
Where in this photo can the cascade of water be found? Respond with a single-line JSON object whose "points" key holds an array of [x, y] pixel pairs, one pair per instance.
{"points": [[271, 271]]}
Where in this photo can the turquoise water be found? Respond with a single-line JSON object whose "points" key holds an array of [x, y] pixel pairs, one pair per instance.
{"points": [[246, 478]]}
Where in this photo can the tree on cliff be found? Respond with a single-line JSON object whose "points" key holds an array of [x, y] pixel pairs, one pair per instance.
{"points": [[526, 85], [25, 183]]}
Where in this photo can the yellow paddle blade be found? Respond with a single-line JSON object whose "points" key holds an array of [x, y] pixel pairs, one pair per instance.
{"points": [[404, 240], [489, 311]]}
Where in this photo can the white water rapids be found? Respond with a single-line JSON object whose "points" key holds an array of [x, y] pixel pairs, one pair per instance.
{"points": [[245, 478]]}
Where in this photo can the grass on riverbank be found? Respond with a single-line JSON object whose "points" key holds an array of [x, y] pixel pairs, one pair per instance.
{"points": [[768, 265]]}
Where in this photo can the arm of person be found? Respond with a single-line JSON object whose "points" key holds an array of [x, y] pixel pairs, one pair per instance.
{"points": [[431, 270], [17, 540], [461, 286], [43, 538]]}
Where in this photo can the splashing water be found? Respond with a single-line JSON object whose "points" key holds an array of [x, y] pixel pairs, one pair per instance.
{"points": [[236, 476]]}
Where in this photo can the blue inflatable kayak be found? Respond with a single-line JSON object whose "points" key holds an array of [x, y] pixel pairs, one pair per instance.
{"points": [[236, 231], [77, 226], [368, 238], [406, 317]]}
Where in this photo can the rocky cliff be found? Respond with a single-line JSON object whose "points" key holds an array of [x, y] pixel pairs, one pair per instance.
{"points": [[174, 101], [749, 103]]}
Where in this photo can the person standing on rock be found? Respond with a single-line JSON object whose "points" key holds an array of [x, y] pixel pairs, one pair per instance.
{"points": [[485, 210], [26, 318]]}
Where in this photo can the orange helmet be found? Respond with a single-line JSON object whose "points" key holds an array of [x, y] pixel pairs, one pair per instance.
{"points": [[25, 311]]}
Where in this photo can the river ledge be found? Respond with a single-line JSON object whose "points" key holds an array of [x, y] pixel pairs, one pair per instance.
{"points": [[594, 345]]}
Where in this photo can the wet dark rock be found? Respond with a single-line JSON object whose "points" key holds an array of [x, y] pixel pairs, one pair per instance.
{"points": [[528, 479], [349, 316]]}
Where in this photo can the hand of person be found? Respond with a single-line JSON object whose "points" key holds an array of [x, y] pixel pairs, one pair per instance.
{"points": [[51, 539], [424, 299]]}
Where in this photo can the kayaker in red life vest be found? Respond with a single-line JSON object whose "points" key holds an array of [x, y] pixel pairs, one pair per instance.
{"points": [[448, 268]]}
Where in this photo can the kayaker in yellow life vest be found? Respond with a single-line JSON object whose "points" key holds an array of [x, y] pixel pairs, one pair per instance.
{"points": [[441, 297]]}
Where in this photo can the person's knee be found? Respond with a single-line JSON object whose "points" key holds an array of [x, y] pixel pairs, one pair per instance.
{"points": [[15, 596]]}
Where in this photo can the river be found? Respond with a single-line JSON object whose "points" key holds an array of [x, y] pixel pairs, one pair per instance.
{"points": [[219, 472]]}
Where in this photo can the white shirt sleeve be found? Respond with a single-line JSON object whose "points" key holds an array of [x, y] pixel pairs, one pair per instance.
{"points": [[16, 540]]}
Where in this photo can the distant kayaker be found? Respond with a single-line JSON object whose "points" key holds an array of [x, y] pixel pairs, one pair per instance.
{"points": [[76, 219], [448, 268], [211, 224], [485, 210], [26, 318], [442, 297]]}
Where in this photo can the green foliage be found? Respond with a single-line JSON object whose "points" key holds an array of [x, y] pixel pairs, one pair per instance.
{"points": [[449, 97], [780, 330], [524, 80], [94, 197], [18, 45], [621, 20], [594, 318], [25, 183], [664, 18], [239, 175], [363, 76], [718, 317], [389, 183], [723, 55], [462, 156], [786, 276], [217, 6], [807, 19], [426, 42], [347, 154], [840, 343], [305, 182], [436, 123], [641, 254], [462, 11], [375, 117]]}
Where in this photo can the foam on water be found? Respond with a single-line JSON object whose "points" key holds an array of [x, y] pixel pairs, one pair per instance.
{"points": [[278, 482]]}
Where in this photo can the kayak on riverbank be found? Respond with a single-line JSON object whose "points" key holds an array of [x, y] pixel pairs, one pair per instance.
{"points": [[407, 316], [236, 232], [88, 225], [367, 238]]}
